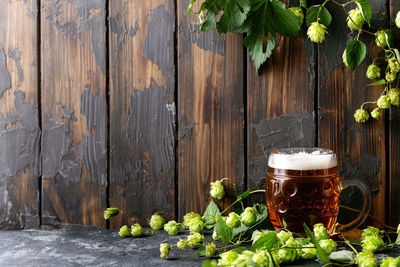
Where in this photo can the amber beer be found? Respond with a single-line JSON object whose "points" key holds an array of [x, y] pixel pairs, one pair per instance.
{"points": [[302, 186]]}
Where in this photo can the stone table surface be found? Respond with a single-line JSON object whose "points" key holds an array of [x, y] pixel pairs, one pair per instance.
{"points": [[94, 247]]}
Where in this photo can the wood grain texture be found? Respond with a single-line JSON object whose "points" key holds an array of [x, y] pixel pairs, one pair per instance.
{"points": [[74, 112], [280, 105], [19, 121], [142, 111], [210, 112], [394, 139], [360, 147]]}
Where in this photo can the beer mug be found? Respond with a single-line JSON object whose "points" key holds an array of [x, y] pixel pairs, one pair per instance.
{"points": [[303, 186]]}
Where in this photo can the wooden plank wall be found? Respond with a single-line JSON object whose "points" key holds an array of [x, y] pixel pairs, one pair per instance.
{"points": [[126, 103]]}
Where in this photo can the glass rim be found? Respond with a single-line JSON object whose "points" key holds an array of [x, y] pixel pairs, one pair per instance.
{"points": [[308, 150]]}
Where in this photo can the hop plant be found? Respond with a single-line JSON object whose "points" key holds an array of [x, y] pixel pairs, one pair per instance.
{"points": [[182, 244], [284, 236], [248, 217], [394, 96], [227, 258], [244, 259], [262, 258], [355, 20], [373, 72], [165, 248], [390, 262], [397, 20], [394, 65], [137, 230], [124, 231], [211, 250], [316, 32], [369, 262], [328, 246], [195, 239], [344, 58], [370, 231], [383, 102], [376, 114], [380, 39], [320, 231], [110, 212], [372, 243], [361, 256], [217, 189], [172, 227], [156, 222], [361, 115], [309, 252], [196, 225], [233, 220], [188, 217], [390, 77], [298, 12]]}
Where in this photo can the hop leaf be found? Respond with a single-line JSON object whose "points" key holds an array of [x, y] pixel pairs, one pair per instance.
{"points": [[298, 12], [165, 248], [355, 20], [172, 227], [383, 102], [316, 32], [373, 72], [376, 114], [217, 189], [361, 115], [110, 212], [124, 231]]}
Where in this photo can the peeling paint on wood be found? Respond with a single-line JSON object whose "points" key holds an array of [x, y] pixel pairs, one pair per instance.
{"points": [[5, 79], [185, 129], [16, 56], [209, 40]]}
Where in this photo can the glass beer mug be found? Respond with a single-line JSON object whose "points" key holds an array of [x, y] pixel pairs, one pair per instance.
{"points": [[303, 186]]}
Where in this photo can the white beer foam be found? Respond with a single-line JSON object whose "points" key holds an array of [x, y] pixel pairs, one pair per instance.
{"points": [[302, 161]]}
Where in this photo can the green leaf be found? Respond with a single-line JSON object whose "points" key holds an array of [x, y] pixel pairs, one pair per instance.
{"points": [[244, 194], [210, 213], [262, 212], [355, 52], [396, 51], [235, 13], [342, 256], [320, 253], [201, 252], [281, 20], [312, 14], [303, 240], [303, 3], [365, 8], [267, 241], [254, 44], [223, 230], [239, 250], [380, 82], [190, 7], [389, 38], [208, 263], [213, 7]]}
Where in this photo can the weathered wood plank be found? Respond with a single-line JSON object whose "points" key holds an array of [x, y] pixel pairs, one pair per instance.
{"points": [[360, 147], [142, 111], [74, 112], [19, 120], [210, 111], [280, 105], [394, 140]]}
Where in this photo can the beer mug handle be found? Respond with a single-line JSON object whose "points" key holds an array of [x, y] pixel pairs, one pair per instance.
{"points": [[366, 208]]}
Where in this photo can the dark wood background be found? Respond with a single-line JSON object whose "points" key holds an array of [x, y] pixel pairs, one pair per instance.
{"points": [[126, 103]]}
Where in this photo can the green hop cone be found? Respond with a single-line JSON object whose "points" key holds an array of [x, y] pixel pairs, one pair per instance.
{"points": [[390, 262], [262, 258], [215, 236], [383, 102], [110, 212], [376, 114], [156, 222], [227, 258], [344, 58], [361, 115], [394, 65], [308, 252], [182, 244], [188, 217], [203, 16], [370, 231], [233, 220], [248, 217], [217, 189], [165, 248], [361, 256], [397, 20], [355, 20], [369, 262], [328, 246], [124, 231], [298, 12], [390, 77], [211, 250], [195, 239], [394, 96], [137, 230], [373, 72], [380, 38], [372, 243], [244, 259], [172, 227], [284, 236], [320, 231], [316, 32], [196, 225]]}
